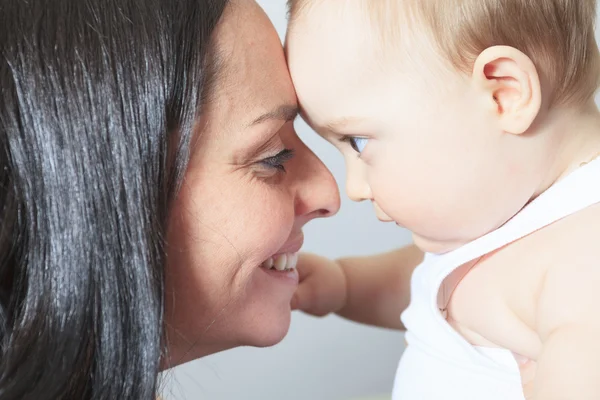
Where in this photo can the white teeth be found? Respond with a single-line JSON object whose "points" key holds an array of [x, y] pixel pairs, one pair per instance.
{"points": [[268, 264], [281, 262], [292, 260]]}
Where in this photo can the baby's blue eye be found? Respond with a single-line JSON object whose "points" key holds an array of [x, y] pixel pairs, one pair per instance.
{"points": [[358, 143]]}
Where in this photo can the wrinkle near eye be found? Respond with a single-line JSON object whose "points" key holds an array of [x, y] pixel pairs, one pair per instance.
{"points": [[258, 150]]}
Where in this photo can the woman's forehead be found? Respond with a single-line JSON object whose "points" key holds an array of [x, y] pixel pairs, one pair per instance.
{"points": [[254, 75]]}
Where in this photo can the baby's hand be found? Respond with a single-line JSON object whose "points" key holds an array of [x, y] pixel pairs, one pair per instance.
{"points": [[322, 288]]}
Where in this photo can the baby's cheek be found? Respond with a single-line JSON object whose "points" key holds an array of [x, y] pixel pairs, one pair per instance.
{"points": [[393, 193]]}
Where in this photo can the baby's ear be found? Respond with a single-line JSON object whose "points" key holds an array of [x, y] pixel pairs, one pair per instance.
{"points": [[509, 81]]}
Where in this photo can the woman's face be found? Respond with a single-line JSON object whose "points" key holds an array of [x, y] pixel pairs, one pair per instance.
{"points": [[243, 202]]}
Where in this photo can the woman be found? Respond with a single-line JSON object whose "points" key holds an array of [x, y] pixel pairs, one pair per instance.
{"points": [[148, 184]]}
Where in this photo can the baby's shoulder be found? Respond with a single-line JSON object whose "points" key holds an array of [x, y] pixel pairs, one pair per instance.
{"points": [[569, 289], [574, 239], [571, 242]]}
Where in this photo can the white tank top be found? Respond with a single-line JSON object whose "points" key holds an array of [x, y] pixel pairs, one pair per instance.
{"points": [[438, 362]]}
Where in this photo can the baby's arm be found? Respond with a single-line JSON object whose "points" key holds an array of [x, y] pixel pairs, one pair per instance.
{"points": [[371, 290], [569, 326]]}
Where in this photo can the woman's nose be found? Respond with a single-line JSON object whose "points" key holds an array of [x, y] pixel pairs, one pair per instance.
{"points": [[317, 194]]}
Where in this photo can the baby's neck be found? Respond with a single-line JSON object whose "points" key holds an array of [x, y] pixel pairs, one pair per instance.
{"points": [[574, 136]]}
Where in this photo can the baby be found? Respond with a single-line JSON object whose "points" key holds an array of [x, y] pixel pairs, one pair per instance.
{"points": [[471, 123]]}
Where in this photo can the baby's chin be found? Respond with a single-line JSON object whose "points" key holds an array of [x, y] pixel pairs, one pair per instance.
{"points": [[434, 245]]}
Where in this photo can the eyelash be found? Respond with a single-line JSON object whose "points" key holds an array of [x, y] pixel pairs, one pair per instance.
{"points": [[351, 140], [278, 161]]}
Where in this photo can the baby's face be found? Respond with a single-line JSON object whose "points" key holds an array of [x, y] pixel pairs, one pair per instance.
{"points": [[416, 139]]}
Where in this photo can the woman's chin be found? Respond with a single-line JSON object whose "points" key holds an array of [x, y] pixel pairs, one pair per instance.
{"points": [[264, 316], [255, 329], [268, 330], [272, 338]]}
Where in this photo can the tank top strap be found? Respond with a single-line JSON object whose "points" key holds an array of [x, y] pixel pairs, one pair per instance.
{"points": [[577, 191]]}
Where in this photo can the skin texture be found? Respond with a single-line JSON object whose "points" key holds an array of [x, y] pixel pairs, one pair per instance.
{"points": [[452, 157], [235, 210]]}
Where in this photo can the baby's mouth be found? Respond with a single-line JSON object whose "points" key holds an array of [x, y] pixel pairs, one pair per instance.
{"points": [[281, 262]]}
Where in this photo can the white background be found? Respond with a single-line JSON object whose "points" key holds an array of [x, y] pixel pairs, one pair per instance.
{"points": [[321, 359]]}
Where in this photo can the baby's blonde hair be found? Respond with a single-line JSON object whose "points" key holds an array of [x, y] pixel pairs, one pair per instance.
{"points": [[557, 35]]}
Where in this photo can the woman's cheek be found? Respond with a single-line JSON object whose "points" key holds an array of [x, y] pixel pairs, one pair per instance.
{"points": [[273, 220]]}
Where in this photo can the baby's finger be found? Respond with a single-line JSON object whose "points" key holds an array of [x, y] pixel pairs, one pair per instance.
{"points": [[309, 298], [295, 304], [302, 298], [304, 270]]}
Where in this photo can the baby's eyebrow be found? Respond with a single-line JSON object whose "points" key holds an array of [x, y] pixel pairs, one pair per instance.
{"points": [[340, 124]]}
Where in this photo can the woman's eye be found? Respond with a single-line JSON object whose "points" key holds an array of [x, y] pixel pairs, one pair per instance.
{"points": [[278, 161], [358, 143]]}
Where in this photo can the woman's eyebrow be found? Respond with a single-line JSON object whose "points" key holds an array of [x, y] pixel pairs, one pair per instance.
{"points": [[286, 112]]}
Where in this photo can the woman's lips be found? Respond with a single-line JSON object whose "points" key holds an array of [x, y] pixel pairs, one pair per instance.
{"points": [[287, 257], [292, 246]]}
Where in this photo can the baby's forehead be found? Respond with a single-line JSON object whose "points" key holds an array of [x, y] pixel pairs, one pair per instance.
{"points": [[347, 15], [559, 37], [336, 61], [375, 20], [330, 32], [336, 68], [351, 32]]}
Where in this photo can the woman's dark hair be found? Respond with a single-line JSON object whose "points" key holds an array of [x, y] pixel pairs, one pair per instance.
{"points": [[97, 103]]}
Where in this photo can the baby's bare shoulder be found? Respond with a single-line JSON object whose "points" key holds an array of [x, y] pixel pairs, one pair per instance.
{"points": [[572, 240], [570, 290]]}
